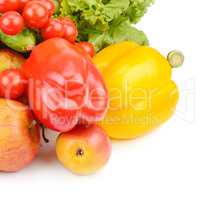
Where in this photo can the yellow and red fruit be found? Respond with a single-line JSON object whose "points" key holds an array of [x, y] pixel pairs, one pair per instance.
{"points": [[19, 141], [84, 150]]}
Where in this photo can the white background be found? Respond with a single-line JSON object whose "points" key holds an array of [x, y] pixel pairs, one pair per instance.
{"points": [[163, 165]]}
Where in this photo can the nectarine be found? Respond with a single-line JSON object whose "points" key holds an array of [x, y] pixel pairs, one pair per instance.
{"points": [[83, 150]]}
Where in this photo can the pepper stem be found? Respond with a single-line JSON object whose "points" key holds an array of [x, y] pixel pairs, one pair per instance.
{"points": [[43, 134], [175, 58], [33, 123]]}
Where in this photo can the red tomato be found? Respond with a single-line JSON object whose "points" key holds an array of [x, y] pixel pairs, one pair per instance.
{"points": [[11, 23], [8, 5], [70, 29], [35, 14], [12, 84], [22, 4], [87, 47], [53, 29], [50, 6]]}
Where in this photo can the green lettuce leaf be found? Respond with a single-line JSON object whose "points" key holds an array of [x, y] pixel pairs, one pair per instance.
{"points": [[124, 31], [137, 9], [106, 21]]}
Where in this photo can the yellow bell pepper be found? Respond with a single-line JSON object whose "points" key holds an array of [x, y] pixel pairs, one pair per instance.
{"points": [[142, 94]]}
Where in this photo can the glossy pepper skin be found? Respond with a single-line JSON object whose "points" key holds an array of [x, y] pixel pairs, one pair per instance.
{"points": [[61, 78], [142, 94]]}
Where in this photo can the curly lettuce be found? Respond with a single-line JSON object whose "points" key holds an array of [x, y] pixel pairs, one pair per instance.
{"points": [[104, 22]]}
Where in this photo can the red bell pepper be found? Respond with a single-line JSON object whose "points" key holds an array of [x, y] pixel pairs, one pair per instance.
{"points": [[64, 85]]}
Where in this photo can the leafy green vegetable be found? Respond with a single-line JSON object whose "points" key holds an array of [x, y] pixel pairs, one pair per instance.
{"points": [[137, 9], [57, 7], [122, 32], [104, 22]]}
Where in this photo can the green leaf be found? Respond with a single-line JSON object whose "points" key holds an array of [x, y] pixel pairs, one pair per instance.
{"points": [[124, 31], [106, 21]]}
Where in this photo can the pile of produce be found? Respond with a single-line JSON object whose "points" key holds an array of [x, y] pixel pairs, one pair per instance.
{"points": [[104, 22], [101, 22], [81, 69]]}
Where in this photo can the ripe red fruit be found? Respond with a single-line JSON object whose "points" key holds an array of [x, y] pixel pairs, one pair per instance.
{"points": [[84, 150], [11, 23], [12, 84], [49, 4], [22, 3], [53, 29], [35, 14], [70, 29], [20, 136], [8, 5], [87, 47], [65, 85]]}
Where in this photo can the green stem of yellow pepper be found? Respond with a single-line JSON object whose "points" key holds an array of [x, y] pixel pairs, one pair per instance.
{"points": [[175, 58]]}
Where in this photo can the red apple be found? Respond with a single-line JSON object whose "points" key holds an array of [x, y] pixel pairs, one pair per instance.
{"points": [[19, 136], [83, 150]]}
